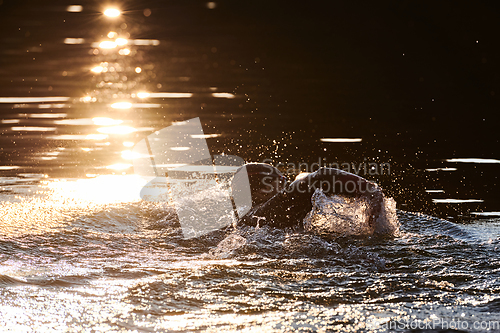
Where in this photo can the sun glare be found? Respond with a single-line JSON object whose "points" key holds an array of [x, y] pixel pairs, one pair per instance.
{"points": [[143, 94], [107, 44], [97, 69], [119, 166], [121, 41], [104, 189], [112, 12]]}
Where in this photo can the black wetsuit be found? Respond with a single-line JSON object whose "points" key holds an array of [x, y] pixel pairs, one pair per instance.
{"points": [[289, 207]]}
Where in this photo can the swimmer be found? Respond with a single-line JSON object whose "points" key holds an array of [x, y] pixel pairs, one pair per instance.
{"points": [[281, 205]]}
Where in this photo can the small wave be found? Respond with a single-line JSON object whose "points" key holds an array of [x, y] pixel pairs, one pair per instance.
{"points": [[422, 224], [249, 243], [8, 281], [67, 281]]}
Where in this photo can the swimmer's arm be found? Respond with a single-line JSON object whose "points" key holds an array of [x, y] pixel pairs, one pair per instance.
{"points": [[331, 181]]}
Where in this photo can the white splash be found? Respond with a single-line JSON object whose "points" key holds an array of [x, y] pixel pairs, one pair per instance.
{"points": [[346, 216]]}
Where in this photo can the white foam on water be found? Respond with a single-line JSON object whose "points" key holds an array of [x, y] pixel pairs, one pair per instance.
{"points": [[346, 216]]}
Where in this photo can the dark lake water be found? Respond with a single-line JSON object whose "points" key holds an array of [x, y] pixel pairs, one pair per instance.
{"points": [[404, 94]]}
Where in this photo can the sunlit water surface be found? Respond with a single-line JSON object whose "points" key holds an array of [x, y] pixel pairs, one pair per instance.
{"points": [[77, 255]]}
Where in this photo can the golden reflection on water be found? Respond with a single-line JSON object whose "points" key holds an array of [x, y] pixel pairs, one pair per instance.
{"points": [[97, 69], [124, 52], [43, 115], [107, 44], [473, 160], [223, 95], [37, 209], [104, 121], [74, 41], [74, 8], [104, 189], [117, 130], [10, 100], [96, 137], [121, 41], [456, 201], [143, 94], [341, 140], [119, 166], [121, 105], [32, 129], [118, 81]]}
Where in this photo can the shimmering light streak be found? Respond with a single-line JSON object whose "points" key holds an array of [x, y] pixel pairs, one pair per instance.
{"points": [[97, 69], [103, 121], [119, 166], [33, 129], [53, 106], [223, 95], [434, 191], [74, 8], [44, 115], [121, 105], [340, 139], [107, 44], [116, 130], [486, 213], [456, 201], [170, 95], [473, 160], [104, 189], [78, 121], [74, 41], [143, 94], [9, 167], [441, 169], [96, 137], [32, 99], [121, 41], [204, 136], [143, 42]]}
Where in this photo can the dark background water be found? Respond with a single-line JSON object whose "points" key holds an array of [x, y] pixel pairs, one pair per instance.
{"points": [[417, 81]]}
